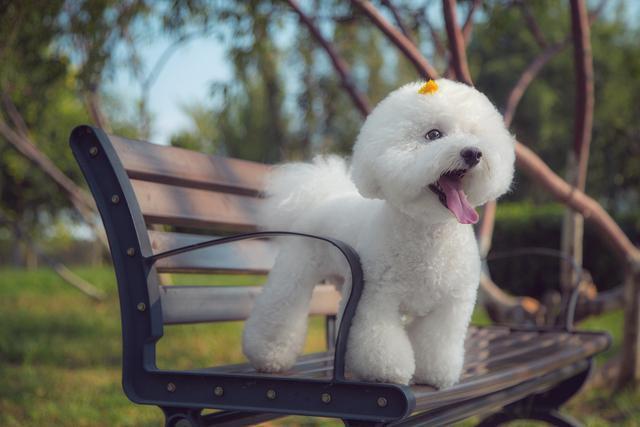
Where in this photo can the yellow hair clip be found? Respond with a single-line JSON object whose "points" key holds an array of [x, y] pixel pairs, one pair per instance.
{"points": [[429, 87]]}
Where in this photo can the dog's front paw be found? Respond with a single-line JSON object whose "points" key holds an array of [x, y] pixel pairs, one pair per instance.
{"points": [[439, 380], [271, 349], [440, 372], [269, 357], [389, 363], [385, 373]]}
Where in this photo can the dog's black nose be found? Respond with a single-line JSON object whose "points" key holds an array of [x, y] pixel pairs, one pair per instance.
{"points": [[471, 156]]}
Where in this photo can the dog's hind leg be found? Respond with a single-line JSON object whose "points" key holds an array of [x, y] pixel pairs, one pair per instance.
{"points": [[275, 332]]}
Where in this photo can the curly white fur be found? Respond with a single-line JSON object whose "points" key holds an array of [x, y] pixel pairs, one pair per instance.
{"points": [[419, 262]]}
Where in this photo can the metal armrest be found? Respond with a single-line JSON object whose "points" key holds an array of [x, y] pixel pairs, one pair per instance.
{"points": [[569, 306], [351, 256]]}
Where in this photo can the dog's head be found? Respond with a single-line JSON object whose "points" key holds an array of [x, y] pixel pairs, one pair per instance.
{"points": [[434, 152]]}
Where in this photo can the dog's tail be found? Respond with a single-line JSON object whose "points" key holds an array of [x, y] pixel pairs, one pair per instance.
{"points": [[294, 188]]}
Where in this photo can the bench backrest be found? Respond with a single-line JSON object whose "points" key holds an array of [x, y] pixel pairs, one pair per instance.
{"points": [[140, 188]]}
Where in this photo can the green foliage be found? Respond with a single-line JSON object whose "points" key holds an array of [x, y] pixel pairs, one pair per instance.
{"points": [[54, 55], [56, 342], [286, 101], [502, 47], [60, 356], [527, 225], [43, 80], [206, 135], [38, 82]]}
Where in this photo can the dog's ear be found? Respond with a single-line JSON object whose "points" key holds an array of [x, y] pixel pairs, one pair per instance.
{"points": [[363, 176]]}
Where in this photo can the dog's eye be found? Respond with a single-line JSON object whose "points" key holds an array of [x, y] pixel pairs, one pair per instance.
{"points": [[433, 134]]}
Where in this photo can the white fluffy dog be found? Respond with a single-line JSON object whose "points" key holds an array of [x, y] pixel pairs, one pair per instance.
{"points": [[425, 156]]}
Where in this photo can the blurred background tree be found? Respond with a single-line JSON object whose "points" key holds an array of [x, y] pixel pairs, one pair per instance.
{"points": [[285, 101]]}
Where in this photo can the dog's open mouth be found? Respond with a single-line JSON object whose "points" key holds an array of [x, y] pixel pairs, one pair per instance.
{"points": [[449, 190]]}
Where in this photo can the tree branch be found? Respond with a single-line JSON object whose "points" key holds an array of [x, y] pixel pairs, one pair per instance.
{"points": [[456, 43], [583, 63], [422, 19], [612, 234], [359, 99], [149, 80], [505, 308], [485, 229], [14, 115], [534, 67], [532, 24], [577, 159], [62, 270], [398, 19], [603, 302], [29, 150], [409, 50], [94, 107], [467, 27], [79, 198], [527, 77]]}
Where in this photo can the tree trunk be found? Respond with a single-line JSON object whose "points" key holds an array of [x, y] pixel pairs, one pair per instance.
{"points": [[630, 364], [578, 158]]}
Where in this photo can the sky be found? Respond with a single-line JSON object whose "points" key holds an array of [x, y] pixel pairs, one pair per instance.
{"points": [[184, 79]]}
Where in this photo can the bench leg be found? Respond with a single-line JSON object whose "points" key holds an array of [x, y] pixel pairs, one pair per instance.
{"points": [[356, 423], [181, 417], [542, 407], [551, 416]]}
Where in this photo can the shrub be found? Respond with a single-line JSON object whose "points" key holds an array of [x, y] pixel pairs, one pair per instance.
{"points": [[523, 224]]}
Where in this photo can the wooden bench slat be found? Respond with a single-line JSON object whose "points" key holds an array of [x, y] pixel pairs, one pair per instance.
{"points": [[556, 350], [319, 367], [303, 360], [500, 347], [480, 340], [533, 364], [484, 383], [187, 207], [497, 360], [495, 401], [500, 344], [197, 304], [177, 166], [247, 256]]}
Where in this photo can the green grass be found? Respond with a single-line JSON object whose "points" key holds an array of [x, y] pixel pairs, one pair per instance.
{"points": [[60, 355]]}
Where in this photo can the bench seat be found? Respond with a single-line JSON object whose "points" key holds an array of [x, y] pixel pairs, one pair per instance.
{"points": [[161, 206], [498, 358]]}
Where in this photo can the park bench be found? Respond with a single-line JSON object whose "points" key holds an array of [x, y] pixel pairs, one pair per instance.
{"points": [[510, 372]]}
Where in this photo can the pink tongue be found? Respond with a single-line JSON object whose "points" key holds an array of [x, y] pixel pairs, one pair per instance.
{"points": [[457, 200]]}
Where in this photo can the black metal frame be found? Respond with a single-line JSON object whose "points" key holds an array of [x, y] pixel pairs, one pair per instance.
{"points": [[351, 256], [514, 403], [243, 398], [183, 394], [543, 406]]}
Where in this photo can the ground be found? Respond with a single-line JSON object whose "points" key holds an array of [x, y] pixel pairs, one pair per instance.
{"points": [[60, 357]]}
